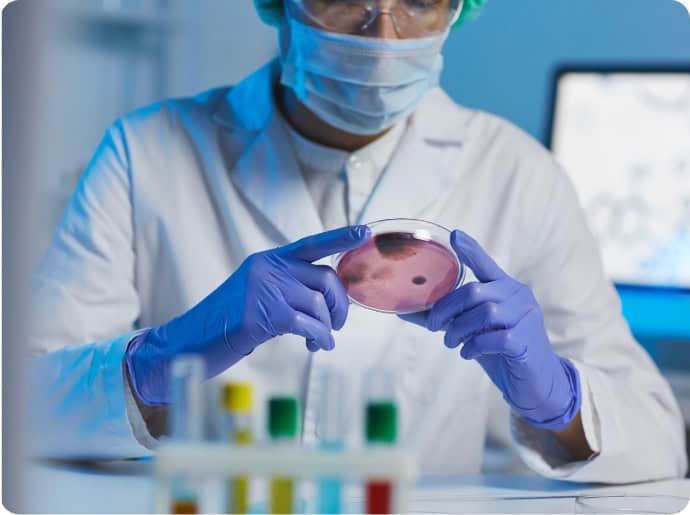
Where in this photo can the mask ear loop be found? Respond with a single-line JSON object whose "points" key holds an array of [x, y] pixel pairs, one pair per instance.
{"points": [[300, 87], [458, 15]]}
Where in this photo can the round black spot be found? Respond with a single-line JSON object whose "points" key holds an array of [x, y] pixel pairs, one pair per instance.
{"points": [[420, 279]]}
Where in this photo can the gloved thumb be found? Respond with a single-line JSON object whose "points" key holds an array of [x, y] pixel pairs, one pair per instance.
{"points": [[474, 256], [313, 248]]}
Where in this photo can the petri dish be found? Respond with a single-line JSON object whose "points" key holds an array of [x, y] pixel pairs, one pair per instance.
{"points": [[405, 267]]}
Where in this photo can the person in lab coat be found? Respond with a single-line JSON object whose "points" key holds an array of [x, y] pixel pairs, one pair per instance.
{"points": [[201, 225]]}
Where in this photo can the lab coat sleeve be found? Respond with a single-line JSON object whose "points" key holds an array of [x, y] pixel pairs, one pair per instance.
{"points": [[84, 311], [630, 417]]}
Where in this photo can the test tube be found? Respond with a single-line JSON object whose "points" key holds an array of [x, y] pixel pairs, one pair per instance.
{"points": [[331, 438], [238, 404], [282, 428], [381, 430], [186, 423]]}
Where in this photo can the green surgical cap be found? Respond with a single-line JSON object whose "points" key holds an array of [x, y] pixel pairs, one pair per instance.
{"points": [[271, 11], [471, 10]]}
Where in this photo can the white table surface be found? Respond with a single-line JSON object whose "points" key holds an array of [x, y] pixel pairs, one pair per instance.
{"points": [[127, 487]]}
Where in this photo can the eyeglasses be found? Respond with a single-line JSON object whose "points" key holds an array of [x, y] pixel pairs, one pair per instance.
{"points": [[410, 18]]}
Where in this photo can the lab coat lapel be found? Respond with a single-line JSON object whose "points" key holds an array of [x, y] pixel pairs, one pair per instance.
{"points": [[266, 172], [420, 168], [269, 176]]}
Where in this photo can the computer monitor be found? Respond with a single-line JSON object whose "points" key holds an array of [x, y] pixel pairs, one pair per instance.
{"points": [[623, 135]]}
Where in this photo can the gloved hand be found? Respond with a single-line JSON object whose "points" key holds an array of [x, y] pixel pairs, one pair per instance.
{"points": [[502, 327], [272, 293]]}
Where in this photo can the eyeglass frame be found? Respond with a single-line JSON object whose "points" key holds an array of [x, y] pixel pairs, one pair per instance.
{"points": [[299, 4]]}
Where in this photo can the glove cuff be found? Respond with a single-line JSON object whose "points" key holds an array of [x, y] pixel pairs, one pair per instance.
{"points": [[562, 421], [135, 380]]}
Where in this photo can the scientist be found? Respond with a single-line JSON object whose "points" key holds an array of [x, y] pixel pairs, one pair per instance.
{"points": [[200, 224]]}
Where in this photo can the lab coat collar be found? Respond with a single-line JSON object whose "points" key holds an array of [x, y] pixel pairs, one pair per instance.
{"points": [[250, 105], [266, 172]]}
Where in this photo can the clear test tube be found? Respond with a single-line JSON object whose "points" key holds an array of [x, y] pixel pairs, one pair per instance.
{"points": [[186, 417], [331, 438], [381, 429], [238, 405], [283, 430]]}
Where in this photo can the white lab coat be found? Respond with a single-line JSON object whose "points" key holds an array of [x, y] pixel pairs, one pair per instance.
{"points": [[180, 193]]}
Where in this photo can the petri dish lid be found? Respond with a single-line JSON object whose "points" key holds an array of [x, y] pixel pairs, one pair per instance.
{"points": [[406, 267]]}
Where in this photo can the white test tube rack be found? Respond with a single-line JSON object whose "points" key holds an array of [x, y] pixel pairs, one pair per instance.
{"points": [[222, 460]]}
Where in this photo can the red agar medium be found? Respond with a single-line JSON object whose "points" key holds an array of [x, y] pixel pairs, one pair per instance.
{"points": [[398, 273]]}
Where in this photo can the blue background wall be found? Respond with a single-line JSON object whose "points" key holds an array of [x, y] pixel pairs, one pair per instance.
{"points": [[504, 63]]}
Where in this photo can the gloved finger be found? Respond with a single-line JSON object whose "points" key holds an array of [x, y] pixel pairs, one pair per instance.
{"points": [[473, 255], [420, 318], [469, 296], [506, 343], [324, 280], [486, 317], [312, 346], [317, 246], [292, 321], [309, 302]]}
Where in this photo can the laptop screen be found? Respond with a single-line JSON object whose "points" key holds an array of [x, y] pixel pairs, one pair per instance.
{"points": [[624, 138]]}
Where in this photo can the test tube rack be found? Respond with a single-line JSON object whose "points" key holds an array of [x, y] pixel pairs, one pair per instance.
{"points": [[203, 460]]}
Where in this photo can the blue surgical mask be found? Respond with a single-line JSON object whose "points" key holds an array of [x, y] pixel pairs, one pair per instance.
{"points": [[361, 85]]}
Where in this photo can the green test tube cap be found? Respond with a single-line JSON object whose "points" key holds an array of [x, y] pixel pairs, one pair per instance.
{"points": [[282, 417], [381, 422]]}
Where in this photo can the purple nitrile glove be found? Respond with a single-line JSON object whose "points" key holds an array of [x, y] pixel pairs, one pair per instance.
{"points": [[272, 293], [502, 326]]}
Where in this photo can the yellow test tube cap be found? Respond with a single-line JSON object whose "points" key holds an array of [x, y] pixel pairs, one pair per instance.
{"points": [[238, 397]]}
